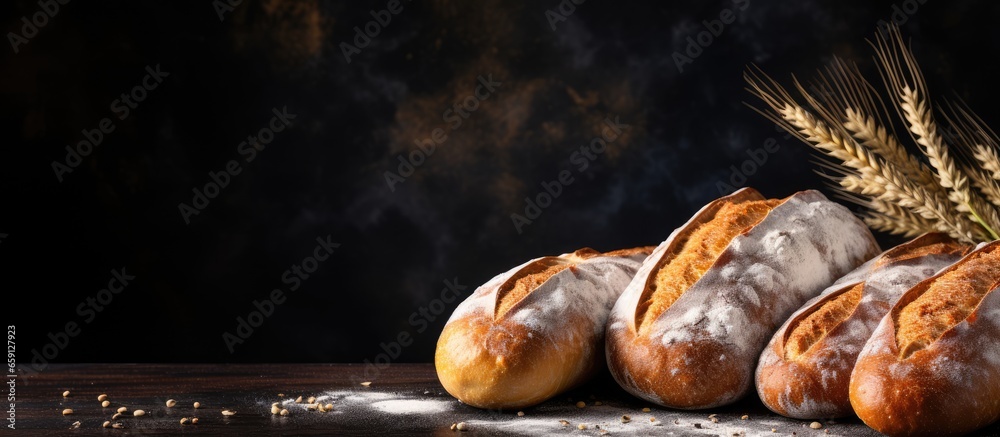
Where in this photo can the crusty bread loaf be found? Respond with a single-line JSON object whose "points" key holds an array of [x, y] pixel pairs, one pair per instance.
{"points": [[534, 331], [699, 350], [805, 371], [932, 366]]}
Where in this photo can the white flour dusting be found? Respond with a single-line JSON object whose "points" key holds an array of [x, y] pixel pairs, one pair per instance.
{"points": [[428, 410], [590, 289], [358, 397], [413, 406]]}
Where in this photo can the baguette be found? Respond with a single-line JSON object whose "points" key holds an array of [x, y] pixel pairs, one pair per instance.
{"points": [[534, 331], [805, 371], [932, 366], [689, 328]]}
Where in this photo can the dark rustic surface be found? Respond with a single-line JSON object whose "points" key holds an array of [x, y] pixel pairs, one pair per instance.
{"points": [[359, 410]]}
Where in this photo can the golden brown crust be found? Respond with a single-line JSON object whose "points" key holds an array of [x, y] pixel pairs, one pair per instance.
{"points": [[642, 250], [691, 387], [933, 243], [949, 299], [527, 280], [490, 364], [807, 331], [701, 250], [949, 387], [684, 234]]}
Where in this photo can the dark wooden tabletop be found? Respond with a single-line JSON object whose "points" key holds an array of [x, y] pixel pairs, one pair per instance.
{"points": [[403, 399]]}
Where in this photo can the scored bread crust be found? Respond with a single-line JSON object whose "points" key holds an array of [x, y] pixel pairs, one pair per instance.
{"points": [[950, 387], [814, 384], [547, 341], [701, 352]]}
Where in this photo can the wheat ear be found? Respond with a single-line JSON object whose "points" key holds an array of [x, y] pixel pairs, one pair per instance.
{"points": [[878, 178], [853, 102], [890, 217], [903, 78]]}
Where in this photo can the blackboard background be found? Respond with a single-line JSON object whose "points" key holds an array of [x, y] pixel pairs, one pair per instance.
{"points": [[325, 176]]}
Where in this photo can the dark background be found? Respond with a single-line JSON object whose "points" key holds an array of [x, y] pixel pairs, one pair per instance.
{"points": [[325, 174]]}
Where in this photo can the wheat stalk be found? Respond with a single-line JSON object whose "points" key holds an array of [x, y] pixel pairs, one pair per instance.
{"points": [[845, 97], [903, 193], [902, 76], [876, 178]]}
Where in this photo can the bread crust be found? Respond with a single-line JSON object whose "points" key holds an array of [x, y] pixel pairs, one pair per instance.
{"points": [[814, 384], [950, 387], [549, 340], [702, 350]]}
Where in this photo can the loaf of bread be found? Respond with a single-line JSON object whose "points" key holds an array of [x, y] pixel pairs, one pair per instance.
{"points": [[534, 331], [689, 328], [932, 366], [805, 371]]}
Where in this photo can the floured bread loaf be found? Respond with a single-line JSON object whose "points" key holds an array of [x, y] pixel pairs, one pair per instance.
{"points": [[534, 331], [689, 328], [805, 370], [932, 366]]}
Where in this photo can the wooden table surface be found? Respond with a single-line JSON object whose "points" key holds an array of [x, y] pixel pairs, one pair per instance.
{"points": [[404, 399]]}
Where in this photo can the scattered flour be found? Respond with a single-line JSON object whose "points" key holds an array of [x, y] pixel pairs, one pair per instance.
{"points": [[413, 406]]}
